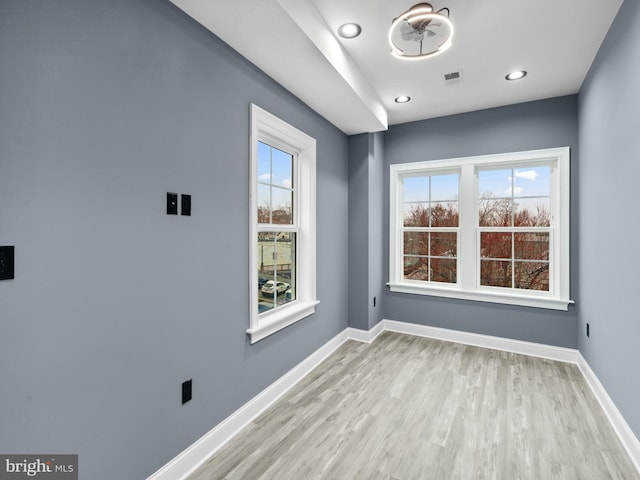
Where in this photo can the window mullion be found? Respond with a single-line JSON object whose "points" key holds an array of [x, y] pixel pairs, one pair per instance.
{"points": [[275, 227], [270, 184], [468, 208]]}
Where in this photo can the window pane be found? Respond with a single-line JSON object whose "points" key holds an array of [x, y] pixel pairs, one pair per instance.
{"points": [[532, 181], [416, 189], [265, 300], [494, 273], [444, 188], [264, 204], [495, 245], [275, 194], [266, 249], [416, 268], [276, 269], [531, 246], [416, 214], [416, 243], [495, 213], [282, 168], [444, 270], [285, 267], [266, 270], [444, 244], [532, 212], [282, 206], [264, 163], [495, 183], [532, 275], [444, 214]]}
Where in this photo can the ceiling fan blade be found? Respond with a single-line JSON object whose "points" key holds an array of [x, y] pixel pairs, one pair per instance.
{"points": [[430, 33], [406, 28], [409, 35]]}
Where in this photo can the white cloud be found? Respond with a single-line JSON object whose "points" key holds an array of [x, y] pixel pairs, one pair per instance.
{"points": [[265, 178], [286, 183], [527, 174]]}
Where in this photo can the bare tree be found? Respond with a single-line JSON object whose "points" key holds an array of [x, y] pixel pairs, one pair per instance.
{"points": [[508, 259]]}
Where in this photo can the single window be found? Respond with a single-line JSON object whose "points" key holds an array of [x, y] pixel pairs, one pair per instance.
{"points": [[515, 227], [430, 228], [492, 228], [282, 187]]}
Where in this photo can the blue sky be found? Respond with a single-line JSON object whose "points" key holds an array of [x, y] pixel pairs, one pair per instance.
{"points": [[526, 182], [443, 188], [275, 167]]}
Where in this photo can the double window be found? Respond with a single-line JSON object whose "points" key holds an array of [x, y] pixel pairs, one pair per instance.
{"points": [[282, 227], [492, 228]]}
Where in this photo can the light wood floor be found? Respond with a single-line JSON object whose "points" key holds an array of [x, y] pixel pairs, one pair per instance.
{"points": [[407, 407]]}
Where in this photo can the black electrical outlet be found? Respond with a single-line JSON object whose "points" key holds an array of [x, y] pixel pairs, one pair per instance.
{"points": [[185, 204], [186, 391], [6, 263], [172, 203], [587, 329]]}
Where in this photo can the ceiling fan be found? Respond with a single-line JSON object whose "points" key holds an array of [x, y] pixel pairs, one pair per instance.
{"points": [[420, 22]]}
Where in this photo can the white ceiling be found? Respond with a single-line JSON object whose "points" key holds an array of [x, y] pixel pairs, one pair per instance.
{"points": [[353, 83]]}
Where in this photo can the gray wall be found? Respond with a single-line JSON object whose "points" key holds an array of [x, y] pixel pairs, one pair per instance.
{"points": [[377, 280], [105, 107], [529, 126], [359, 231], [366, 172], [609, 119]]}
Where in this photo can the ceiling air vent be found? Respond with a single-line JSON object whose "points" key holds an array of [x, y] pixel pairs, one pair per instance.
{"points": [[452, 77]]}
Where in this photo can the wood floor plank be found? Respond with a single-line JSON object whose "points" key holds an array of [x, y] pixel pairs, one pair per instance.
{"points": [[406, 407]]}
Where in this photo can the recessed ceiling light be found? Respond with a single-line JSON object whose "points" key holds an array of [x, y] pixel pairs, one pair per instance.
{"points": [[517, 75], [402, 99], [349, 30]]}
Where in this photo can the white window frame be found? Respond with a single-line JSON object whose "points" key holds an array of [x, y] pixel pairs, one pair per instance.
{"points": [[468, 286], [273, 131]]}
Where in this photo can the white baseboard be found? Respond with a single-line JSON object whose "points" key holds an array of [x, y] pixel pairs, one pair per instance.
{"points": [[198, 453], [365, 336], [550, 352], [625, 434]]}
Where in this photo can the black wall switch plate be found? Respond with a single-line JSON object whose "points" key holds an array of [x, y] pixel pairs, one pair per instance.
{"points": [[172, 203], [185, 204], [6, 263], [186, 391]]}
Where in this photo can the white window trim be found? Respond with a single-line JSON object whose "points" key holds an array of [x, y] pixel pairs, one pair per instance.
{"points": [[269, 129], [468, 287]]}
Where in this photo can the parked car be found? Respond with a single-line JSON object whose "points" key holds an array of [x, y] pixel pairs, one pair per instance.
{"points": [[269, 287], [261, 281]]}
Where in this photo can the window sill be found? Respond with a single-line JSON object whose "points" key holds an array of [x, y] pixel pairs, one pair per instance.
{"points": [[272, 322], [536, 301]]}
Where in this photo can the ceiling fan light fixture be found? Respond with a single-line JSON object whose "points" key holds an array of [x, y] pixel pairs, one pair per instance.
{"points": [[516, 75], [402, 99], [416, 24], [349, 30]]}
